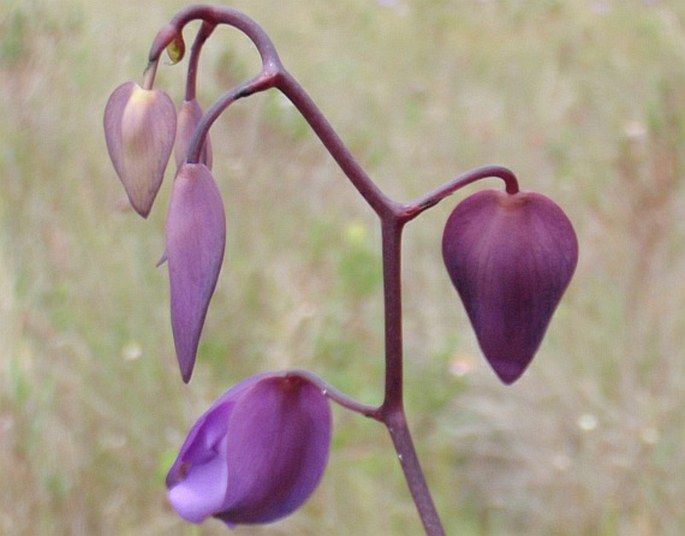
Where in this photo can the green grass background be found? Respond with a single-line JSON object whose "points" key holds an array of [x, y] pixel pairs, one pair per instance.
{"points": [[583, 99]]}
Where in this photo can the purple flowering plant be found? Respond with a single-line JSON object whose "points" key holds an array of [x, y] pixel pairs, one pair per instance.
{"points": [[260, 450]]}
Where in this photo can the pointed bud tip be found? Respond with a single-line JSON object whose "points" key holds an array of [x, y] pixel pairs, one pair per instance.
{"points": [[506, 371], [162, 259]]}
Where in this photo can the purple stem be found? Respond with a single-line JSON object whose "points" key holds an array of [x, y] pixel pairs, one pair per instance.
{"points": [[149, 75], [416, 207], [191, 78], [261, 82], [215, 15], [291, 88], [392, 215], [336, 396]]}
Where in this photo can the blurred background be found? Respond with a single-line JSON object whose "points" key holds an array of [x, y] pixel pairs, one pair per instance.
{"points": [[583, 99]]}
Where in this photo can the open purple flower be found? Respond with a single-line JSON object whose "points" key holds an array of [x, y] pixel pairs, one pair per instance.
{"points": [[510, 257], [256, 455], [140, 126], [195, 241]]}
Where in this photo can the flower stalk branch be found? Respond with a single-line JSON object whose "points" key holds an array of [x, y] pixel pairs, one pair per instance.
{"points": [[203, 34]]}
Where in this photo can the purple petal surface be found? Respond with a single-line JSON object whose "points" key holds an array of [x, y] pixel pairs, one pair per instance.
{"points": [[195, 241], [510, 257], [278, 443]]}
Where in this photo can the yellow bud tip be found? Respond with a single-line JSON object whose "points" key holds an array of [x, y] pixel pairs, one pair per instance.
{"points": [[176, 49]]}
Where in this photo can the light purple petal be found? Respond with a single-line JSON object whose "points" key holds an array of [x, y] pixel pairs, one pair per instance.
{"points": [[140, 126], [202, 492], [202, 443], [510, 258], [207, 432], [189, 117], [195, 241]]}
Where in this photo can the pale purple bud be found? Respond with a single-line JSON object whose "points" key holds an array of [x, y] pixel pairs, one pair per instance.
{"points": [[140, 126], [256, 455], [195, 241], [510, 257], [189, 116]]}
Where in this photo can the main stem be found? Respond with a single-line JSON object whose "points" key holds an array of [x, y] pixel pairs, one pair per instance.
{"points": [[392, 409], [393, 217]]}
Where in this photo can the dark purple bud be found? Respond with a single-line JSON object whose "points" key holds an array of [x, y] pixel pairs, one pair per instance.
{"points": [[195, 241], [189, 117], [256, 455], [510, 257], [140, 126]]}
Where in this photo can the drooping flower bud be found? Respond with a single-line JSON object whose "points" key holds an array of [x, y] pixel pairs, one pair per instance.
{"points": [[256, 455], [195, 241], [140, 126], [510, 257], [189, 117]]}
